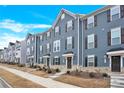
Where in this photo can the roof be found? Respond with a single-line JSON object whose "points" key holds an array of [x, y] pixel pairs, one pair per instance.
{"points": [[60, 13], [99, 11], [116, 49], [10, 43]]}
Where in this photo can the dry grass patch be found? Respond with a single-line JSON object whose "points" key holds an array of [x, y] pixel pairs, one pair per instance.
{"points": [[83, 82], [29, 70], [16, 81]]}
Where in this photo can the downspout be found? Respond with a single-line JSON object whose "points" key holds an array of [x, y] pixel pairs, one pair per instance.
{"points": [[78, 45]]}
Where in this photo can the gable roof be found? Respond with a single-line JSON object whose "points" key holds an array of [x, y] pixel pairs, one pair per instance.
{"points": [[105, 8], [60, 13]]}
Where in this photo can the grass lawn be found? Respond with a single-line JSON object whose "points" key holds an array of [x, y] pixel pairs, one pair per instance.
{"points": [[29, 70], [83, 82], [16, 81]]}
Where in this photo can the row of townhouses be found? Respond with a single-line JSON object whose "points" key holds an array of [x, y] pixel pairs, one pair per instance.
{"points": [[76, 41]]}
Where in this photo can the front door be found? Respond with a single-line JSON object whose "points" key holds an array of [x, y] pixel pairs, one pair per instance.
{"points": [[115, 65], [48, 63], [69, 62]]}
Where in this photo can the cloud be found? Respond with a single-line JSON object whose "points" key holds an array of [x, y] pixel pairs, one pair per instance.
{"points": [[41, 16], [19, 27], [7, 37]]}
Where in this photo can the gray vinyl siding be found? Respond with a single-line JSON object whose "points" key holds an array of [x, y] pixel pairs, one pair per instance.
{"points": [[62, 37], [102, 41]]}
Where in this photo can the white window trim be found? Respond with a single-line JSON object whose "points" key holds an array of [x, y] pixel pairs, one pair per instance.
{"points": [[69, 39], [48, 46], [55, 44], [40, 47], [115, 29], [48, 34], [41, 37], [62, 16], [57, 29], [90, 42], [93, 62], [69, 24], [90, 20], [113, 9]]}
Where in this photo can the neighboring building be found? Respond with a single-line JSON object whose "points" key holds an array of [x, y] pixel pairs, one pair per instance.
{"points": [[103, 39], [11, 52], [1, 55], [17, 52], [23, 52], [6, 54], [92, 42], [31, 49], [59, 46]]}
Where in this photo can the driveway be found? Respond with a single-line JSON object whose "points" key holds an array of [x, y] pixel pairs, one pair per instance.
{"points": [[46, 82]]}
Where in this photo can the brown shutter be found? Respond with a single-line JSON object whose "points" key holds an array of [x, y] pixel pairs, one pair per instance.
{"points": [[59, 30], [122, 35], [66, 27], [53, 62], [86, 43], [73, 24], [85, 62], [72, 42], [95, 39], [95, 64], [108, 15], [109, 38], [122, 11], [85, 24], [95, 20], [65, 44]]}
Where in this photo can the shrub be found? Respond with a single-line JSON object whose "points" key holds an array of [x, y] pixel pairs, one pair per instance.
{"points": [[68, 72], [35, 66], [105, 75], [57, 70], [92, 75], [21, 65], [49, 71]]}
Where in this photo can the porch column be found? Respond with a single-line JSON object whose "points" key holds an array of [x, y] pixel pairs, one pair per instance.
{"points": [[110, 61]]}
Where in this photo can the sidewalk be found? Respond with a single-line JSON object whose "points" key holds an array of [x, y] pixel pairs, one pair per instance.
{"points": [[46, 82]]}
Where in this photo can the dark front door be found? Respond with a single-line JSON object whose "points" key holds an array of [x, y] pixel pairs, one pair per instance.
{"points": [[48, 63], [115, 65], [69, 62]]}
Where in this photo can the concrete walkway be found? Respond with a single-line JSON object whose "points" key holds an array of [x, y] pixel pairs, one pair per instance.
{"points": [[117, 80], [46, 82], [4, 84]]}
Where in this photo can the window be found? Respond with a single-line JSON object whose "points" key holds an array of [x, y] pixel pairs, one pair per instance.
{"points": [[90, 41], [56, 46], [41, 60], [56, 60], [32, 39], [90, 23], [69, 25], [69, 42], [48, 34], [48, 47], [41, 37], [62, 16], [56, 30], [91, 59], [40, 48], [115, 13], [32, 48], [28, 51], [28, 42], [116, 36]]}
